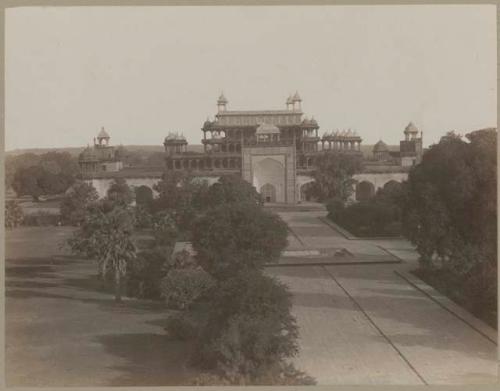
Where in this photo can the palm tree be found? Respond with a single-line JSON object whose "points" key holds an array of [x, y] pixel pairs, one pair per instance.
{"points": [[106, 235]]}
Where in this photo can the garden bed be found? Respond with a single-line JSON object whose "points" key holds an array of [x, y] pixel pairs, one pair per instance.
{"points": [[451, 286]]}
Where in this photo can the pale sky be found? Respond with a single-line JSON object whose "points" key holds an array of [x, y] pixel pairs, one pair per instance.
{"points": [[142, 72]]}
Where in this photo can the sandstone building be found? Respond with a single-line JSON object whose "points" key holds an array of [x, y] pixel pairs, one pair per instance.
{"points": [[275, 150]]}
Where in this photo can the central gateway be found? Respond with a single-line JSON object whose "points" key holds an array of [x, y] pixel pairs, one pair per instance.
{"points": [[269, 165]]}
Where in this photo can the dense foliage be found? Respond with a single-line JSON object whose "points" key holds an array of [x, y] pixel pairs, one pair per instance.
{"points": [[106, 236], [178, 194], [450, 212], [75, 202], [249, 329], [378, 216], [120, 193], [333, 176], [145, 271], [230, 189], [181, 288], [238, 236], [37, 175], [13, 214]]}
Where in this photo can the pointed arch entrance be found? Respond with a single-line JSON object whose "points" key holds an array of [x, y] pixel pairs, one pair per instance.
{"points": [[268, 193]]}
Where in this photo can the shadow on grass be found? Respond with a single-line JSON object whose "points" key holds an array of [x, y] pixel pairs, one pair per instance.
{"points": [[151, 359], [31, 272], [127, 306], [27, 284]]}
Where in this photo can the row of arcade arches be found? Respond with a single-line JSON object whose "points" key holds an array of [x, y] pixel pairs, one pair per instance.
{"points": [[200, 164], [366, 190]]}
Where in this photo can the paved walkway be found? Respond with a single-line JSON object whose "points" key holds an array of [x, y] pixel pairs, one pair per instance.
{"points": [[365, 324]]}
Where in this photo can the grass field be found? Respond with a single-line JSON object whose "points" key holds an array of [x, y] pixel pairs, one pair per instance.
{"points": [[63, 329]]}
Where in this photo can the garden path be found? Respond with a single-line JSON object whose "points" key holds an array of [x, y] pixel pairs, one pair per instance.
{"points": [[366, 324]]}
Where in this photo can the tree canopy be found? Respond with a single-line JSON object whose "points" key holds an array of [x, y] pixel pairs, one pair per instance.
{"points": [[333, 176], [236, 236], [106, 236], [449, 209], [50, 173], [75, 202]]}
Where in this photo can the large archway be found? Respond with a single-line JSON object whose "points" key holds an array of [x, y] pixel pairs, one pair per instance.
{"points": [[268, 193], [268, 170], [364, 191]]}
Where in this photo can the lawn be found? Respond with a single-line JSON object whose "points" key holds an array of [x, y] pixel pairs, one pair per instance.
{"points": [[64, 329]]}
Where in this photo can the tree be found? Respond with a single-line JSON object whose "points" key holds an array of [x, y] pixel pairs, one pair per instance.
{"points": [[449, 208], [13, 214], [50, 173], [31, 181], [238, 236], [181, 288], [250, 328], [106, 235], [180, 195], [75, 202], [120, 193], [231, 189], [333, 176]]}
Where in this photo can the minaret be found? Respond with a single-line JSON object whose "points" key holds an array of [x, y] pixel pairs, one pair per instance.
{"points": [[221, 103], [296, 102]]}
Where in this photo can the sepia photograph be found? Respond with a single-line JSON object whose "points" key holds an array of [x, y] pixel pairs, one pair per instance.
{"points": [[250, 195]]}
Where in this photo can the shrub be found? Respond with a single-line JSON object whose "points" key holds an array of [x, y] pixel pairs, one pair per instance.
{"points": [[144, 273], [165, 228], [230, 189], [183, 260], [75, 201], [41, 218], [182, 326], [143, 218], [369, 218], [250, 327], [13, 214], [181, 288], [480, 290], [335, 207], [120, 192], [278, 375], [235, 237]]}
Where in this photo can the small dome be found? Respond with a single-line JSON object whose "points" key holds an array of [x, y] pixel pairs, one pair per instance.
{"points": [[289, 100], [267, 129], [222, 99], [411, 128], [207, 124], [306, 121], [313, 121], [380, 147], [174, 137], [296, 97], [103, 134]]}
